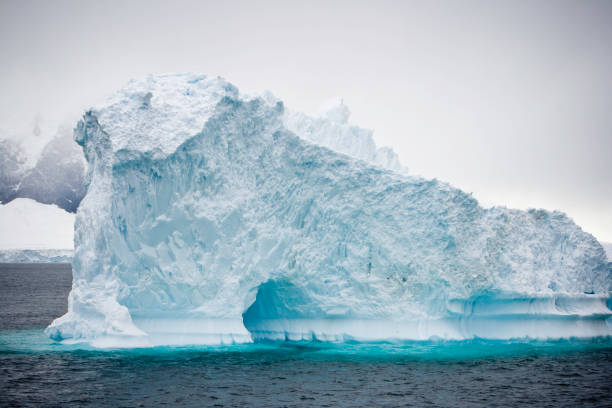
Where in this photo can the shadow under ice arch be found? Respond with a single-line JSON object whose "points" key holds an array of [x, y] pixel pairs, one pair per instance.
{"points": [[276, 315]]}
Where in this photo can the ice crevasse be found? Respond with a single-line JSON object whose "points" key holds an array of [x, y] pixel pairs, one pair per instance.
{"points": [[216, 217]]}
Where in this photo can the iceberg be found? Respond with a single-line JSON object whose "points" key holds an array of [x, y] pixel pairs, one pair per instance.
{"points": [[216, 217]]}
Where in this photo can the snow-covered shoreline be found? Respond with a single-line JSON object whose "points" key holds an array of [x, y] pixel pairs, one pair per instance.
{"points": [[36, 256]]}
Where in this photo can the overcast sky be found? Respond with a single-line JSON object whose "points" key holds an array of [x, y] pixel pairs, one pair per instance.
{"points": [[508, 100]]}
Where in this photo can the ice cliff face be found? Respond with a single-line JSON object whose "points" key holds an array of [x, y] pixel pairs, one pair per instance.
{"points": [[211, 217]]}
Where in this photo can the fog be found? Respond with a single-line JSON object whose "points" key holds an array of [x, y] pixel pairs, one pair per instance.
{"points": [[509, 101]]}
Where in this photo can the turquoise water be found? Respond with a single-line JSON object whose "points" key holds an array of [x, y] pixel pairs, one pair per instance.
{"points": [[35, 371], [34, 341]]}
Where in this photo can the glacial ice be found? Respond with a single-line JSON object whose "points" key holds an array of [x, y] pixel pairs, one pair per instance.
{"points": [[35, 232], [330, 128], [215, 217], [608, 248]]}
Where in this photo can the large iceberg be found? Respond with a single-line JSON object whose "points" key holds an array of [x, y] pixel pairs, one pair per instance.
{"points": [[216, 217]]}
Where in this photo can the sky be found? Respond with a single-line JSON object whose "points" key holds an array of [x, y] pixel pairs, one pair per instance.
{"points": [[510, 100]]}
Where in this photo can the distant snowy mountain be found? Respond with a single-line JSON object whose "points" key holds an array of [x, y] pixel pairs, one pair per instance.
{"points": [[12, 169], [58, 176]]}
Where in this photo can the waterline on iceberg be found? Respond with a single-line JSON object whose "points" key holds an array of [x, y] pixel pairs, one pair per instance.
{"points": [[484, 317]]}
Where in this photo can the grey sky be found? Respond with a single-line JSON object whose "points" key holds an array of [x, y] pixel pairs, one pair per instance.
{"points": [[508, 100]]}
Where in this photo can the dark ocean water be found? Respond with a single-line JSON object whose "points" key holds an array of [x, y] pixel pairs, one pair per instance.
{"points": [[34, 371]]}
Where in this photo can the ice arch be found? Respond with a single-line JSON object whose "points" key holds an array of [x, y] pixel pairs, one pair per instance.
{"points": [[205, 216]]}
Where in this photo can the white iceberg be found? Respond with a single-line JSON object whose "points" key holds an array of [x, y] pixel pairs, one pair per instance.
{"points": [[212, 217]]}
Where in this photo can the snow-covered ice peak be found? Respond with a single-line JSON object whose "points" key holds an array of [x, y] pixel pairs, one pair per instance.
{"points": [[215, 217], [330, 128], [158, 113], [335, 111]]}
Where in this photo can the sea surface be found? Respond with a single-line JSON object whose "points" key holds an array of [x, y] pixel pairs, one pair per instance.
{"points": [[35, 371]]}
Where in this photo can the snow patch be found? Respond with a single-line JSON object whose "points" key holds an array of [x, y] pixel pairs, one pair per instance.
{"points": [[27, 224]]}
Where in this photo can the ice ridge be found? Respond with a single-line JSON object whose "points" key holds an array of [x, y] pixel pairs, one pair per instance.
{"points": [[330, 128]]}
